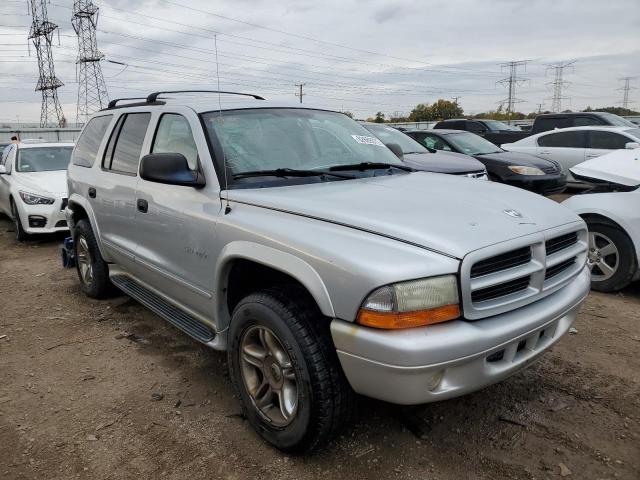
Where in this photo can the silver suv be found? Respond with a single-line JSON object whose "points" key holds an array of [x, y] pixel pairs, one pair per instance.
{"points": [[294, 240]]}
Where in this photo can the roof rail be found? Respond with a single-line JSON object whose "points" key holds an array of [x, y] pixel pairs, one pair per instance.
{"points": [[154, 96], [113, 102]]}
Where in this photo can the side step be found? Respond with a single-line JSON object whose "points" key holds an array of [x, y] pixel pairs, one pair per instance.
{"points": [[172, 314]]}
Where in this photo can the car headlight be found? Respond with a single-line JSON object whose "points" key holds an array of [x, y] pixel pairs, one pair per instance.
{"points": [[33, 199], [522, 170], [411, 304]]}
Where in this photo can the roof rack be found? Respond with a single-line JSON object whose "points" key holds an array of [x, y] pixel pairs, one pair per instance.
{"points": [[113, 102], [154, 96]]}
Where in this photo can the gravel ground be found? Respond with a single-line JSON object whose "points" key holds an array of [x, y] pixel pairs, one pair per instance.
{"points": [[105, 389]]}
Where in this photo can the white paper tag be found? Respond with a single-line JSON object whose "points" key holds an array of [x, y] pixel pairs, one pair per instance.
{"points": [[367, 140]]}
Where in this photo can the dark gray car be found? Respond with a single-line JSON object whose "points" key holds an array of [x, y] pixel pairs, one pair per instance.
{"points": [[421, 158]]}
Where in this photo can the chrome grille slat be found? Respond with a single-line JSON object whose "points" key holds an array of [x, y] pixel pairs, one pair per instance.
{"points": [[501, 262], [559, 243], [501, 289]]}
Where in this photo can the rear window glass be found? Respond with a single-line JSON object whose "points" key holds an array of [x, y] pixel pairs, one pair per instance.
{"points": [[89, 142]]}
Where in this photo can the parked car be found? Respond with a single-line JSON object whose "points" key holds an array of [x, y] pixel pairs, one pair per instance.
{"points": [[321, 273], [517, 169], [419, 157], [611, 210], [33, 187], [493, 130], [571, 146], [551, 121]]}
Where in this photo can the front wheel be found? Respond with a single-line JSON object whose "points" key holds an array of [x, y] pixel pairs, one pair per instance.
{"points": [[611, 258], [93, 271], [286, 371], [21, 235]]}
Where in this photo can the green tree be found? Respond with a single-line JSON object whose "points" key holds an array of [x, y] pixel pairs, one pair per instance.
{"points": [[444, 109], [379, 117]]}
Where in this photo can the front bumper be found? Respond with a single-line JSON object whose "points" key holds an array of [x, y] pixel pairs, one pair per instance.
{"points": [[428, 364], [43, 218], [542, 184]]}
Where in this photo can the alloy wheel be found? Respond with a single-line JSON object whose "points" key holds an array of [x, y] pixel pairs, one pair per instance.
{"points": [[83, 258], [603, 257], [269, 376]]}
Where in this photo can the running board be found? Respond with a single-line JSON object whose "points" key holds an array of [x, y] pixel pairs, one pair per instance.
{"points": [[172, 314]]}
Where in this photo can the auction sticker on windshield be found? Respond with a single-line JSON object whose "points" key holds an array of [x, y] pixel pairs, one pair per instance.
{"points": [[367, 140]]}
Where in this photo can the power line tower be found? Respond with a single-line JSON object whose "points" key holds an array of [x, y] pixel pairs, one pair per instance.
{"points": [[559, 83], [41, 33], [511, 82], [300, 85], [92, 90], [627, 87]]}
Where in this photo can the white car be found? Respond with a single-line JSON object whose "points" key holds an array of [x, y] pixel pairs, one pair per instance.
{"points": [[33, 186], [612, 213], [571, 146]]}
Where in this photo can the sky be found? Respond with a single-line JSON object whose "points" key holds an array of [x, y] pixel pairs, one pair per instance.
{"points": [[361, 56]]}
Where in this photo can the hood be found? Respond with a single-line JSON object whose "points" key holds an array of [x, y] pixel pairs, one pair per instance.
{"points": [[446, 213], [517, 158], [621, 167], [54, 183], [443, 162]]}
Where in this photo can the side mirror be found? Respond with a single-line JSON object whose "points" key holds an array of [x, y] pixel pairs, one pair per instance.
{"points": [[3, 170], [632, 145], [396, 149], [169, 168]]}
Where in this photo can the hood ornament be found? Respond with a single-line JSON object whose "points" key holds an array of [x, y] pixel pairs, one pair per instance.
{"points": [[512, 213]]}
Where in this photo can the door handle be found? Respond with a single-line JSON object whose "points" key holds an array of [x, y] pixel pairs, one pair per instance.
{"points": [[143, 205], [92, 192], [592, 155], [545, 152]]}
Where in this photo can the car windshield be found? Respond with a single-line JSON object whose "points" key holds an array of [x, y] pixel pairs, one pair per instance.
{"points": [[43, 159], [391, 135], [472, 144], [616, 120], [496, 125], [634, 132], [293, 138]]}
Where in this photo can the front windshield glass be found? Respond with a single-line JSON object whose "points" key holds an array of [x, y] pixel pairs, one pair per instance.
{"points": [[391, 135], [43, 159], [496, 125], [293, 138], [472, 144], [616, 120]]}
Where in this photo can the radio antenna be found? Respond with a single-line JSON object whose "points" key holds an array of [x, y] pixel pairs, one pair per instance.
{"points": [[227, 208]]}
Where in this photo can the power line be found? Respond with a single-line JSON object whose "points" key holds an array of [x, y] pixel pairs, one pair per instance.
{"points": [[511, 82], [559, 83], [627, 87]]}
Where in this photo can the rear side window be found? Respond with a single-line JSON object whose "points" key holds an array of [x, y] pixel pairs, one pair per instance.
{"points": [[123, 152], [608, 140], [84, 155], [587, 121], [174, 136], [574, 139], [543, 124]]}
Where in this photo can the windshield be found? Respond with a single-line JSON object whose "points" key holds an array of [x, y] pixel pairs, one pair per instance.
{"points": [[496, 125], [391, 135], [43, 159], [292, 138], [472, 144], [616, 120]]}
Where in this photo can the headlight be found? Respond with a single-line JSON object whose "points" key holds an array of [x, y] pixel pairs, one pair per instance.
{"points": [[522, 170], [32, 199], [411, 304]]}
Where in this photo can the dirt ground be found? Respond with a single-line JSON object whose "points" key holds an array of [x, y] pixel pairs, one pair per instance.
{"points": [[105, 389]]}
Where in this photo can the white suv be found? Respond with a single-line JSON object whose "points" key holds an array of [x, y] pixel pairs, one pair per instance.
{"points": [[33, 186]]}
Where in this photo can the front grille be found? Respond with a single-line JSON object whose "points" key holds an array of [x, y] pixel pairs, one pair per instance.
{"points": [[65, 202], [501, 289], [559, 268], [503, 277], [560, 243], [501, 262]]}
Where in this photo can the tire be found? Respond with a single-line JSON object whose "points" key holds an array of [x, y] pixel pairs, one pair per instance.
{"points": [[607, 274], [325, 400], [93, 271], [21, 235]]}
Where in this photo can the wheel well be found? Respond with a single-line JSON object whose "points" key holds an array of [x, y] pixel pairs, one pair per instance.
{"points": [[601, 219], [247, 276], [79, 213]]}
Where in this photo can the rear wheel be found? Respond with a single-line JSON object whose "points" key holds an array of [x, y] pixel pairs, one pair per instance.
{"points": [[285, 369], [93, 271], [611, 258], [21, 235]]}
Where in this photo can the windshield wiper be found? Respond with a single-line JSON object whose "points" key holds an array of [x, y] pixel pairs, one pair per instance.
{"points": [[369, 166], [288, 172]]}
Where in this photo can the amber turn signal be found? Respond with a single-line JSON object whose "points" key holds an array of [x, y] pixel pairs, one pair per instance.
{"points": [[419, 318]]}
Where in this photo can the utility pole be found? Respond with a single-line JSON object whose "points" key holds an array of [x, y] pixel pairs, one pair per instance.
{"points": [[559, 83], [41, 33], [540, 108], [511, 82], [92, 90], [627, 87], [455, 100], [300, 85]]}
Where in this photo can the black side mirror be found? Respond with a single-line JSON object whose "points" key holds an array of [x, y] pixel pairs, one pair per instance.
{"points": [[169, 168], [396, 149]]}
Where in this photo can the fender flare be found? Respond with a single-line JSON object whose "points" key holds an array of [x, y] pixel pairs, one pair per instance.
{"points": [[613, 218], [273, 258], [86, 206]]}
